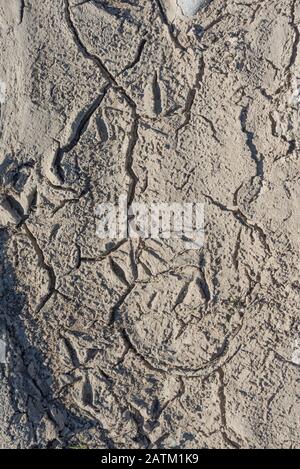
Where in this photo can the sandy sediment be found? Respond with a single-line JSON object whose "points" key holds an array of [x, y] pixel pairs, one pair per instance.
{"points": [[149, 343]]}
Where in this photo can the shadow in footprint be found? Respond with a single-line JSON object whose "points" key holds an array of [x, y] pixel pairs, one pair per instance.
{"points": [[37, 419]]}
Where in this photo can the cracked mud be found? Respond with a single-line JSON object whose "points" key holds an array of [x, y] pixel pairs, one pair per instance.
{"points": [[143, 343]]}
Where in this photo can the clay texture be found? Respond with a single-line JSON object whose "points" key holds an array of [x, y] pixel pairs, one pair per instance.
{"points": [[142, 343]]}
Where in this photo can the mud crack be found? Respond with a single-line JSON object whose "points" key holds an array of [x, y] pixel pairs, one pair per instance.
{"points": [[239, 215], [255, 156], [42, 263]]}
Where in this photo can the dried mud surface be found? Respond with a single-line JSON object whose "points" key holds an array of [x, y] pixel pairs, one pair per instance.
{"points": [[142, 344]]}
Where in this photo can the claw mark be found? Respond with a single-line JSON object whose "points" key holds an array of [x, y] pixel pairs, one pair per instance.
{"points": [[137, 57], [81, 127], [181, 295], [235, 255], [102, 129], [72, 352], [222, 401], [156, 95], [205, 286], [22, 8], [87, 393], [191, 98], [119, 272], [203, 289]]}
